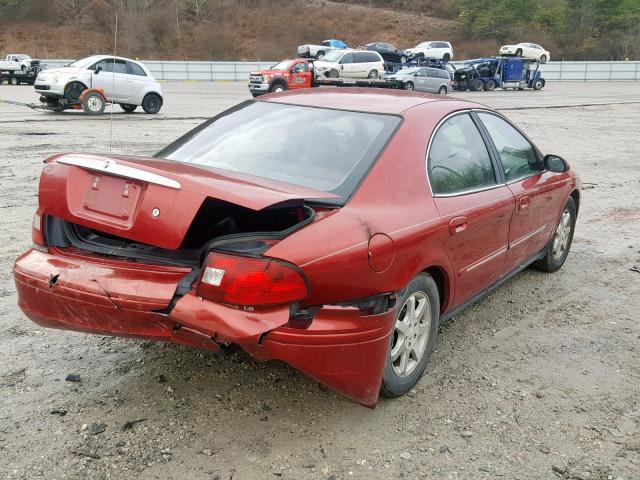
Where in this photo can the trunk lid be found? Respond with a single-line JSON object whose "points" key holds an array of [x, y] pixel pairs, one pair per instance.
{"points": [[149, 200]]}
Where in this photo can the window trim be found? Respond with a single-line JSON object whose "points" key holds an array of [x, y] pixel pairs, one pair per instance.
{"points": [[493, 147], [498, 173]]}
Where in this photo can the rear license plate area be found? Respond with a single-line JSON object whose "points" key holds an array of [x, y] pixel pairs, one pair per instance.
{"points": [[112, 197]]}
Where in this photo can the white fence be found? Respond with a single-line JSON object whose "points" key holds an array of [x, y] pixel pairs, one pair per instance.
{"points": [[239, 71]]}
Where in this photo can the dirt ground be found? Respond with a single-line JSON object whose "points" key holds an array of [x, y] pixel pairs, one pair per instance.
{"points": [[541, 380]]}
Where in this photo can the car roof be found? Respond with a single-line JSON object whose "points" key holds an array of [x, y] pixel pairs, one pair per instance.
{"points": [[373, 100], [100, 57]]}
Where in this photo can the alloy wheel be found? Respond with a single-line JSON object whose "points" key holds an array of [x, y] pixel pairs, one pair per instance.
{"points": [[562, 235], [410, 334]]}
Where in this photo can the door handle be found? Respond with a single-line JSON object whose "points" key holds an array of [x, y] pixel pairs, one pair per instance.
{"points": [[457, 225], [523, 202]]}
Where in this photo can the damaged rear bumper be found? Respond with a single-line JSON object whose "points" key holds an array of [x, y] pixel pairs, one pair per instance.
{"points": [[341, 348]]}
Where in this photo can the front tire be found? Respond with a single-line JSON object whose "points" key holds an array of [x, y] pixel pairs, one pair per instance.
{"points": [[519, 52], [277, 88], [543, 59], [151, 103], [558, 248], [13, 81], [319, 55], [413, 337], [446, 57], [442, 90], [409, 86], [538, 84], [73, 91]]}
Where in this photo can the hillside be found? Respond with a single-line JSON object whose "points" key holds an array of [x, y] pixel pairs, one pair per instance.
{"points": [[271, 29]]}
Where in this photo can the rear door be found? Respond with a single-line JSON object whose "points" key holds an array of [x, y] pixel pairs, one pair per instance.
{"points": [[433, 80], [536, 191], [470, 196]]}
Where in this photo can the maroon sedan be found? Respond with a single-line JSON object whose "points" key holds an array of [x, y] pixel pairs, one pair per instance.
{"points": [[331, 229]]}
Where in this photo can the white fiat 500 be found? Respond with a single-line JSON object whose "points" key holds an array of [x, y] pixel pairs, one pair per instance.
{"points": [[124, 81]]}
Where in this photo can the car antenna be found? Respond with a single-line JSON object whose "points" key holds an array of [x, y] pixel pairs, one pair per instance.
{"points": [[113, 79]]}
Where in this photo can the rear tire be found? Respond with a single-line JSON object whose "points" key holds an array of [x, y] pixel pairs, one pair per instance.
{"points": [[462, 86], [151, 103], [476, 85], [13, 81], [413, 337], [93, 104], [560, 244], [128, 108], [489, 85], [373, 74]]}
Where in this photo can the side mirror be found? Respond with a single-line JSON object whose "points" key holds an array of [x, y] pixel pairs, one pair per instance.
{"points": [[554, 163], [97, 70]]}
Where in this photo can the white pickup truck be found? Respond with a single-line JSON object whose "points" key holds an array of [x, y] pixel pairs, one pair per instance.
{"points": [[15, 61]]}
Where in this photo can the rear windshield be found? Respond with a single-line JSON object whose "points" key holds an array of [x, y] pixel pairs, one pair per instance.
{"points": [[318, 148]]}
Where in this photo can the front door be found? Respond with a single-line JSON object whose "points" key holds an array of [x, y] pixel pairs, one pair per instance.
{"points": [[475, 205], [300, 76], [536, 191], [113, 78]]}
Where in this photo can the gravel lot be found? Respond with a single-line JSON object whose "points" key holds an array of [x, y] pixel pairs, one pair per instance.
{"points": [[539, 381]]}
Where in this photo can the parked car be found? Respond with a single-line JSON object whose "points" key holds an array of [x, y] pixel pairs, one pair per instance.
{"points": [[432, 80], [319, 51], [228, 235], [124, 81], [526, 50], [350, 64], [16, 61], [438, 50], [388, 52]]}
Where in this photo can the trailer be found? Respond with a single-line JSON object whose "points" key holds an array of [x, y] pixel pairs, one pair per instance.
{"points": [[498, 72]]}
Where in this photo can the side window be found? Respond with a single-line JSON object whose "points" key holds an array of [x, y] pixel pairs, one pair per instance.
{"points": [[326, 43], [359, 57], [518, 156], [347, 58], [458, 158], [372, 57], [421, 73], [120, 67], [135, 69], [105, 65]]}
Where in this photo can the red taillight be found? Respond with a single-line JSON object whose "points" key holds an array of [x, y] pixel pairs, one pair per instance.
{"points": [[250, 281], [37, 232]]}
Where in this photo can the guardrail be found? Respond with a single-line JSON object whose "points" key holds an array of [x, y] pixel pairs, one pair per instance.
{"points": [[239, 71]]}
